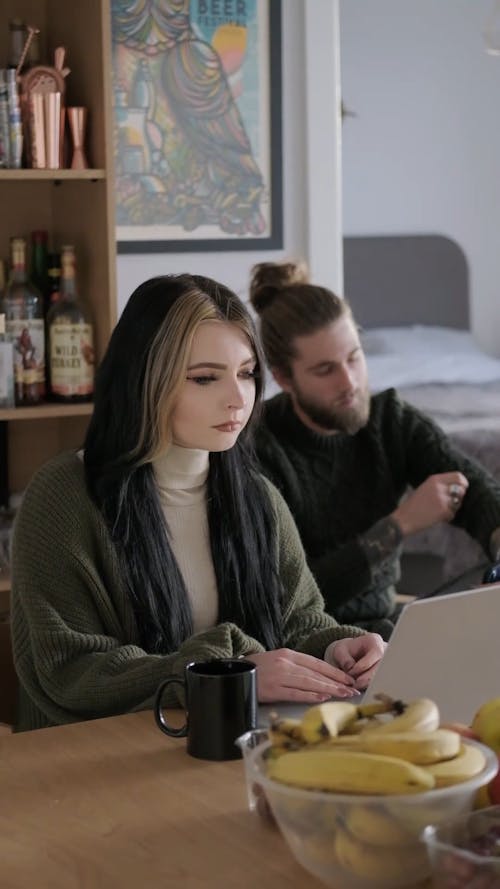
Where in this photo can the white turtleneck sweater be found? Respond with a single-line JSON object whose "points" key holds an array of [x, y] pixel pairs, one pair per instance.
{"points": [[181, 475]]}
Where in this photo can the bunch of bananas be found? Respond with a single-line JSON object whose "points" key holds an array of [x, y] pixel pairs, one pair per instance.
{"points": [[387, 749]]}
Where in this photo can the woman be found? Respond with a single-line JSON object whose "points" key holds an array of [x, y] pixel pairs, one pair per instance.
{"points": [[160, 543]]}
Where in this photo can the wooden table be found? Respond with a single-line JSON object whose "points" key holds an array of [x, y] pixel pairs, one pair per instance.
{"points": [[115, 804]]}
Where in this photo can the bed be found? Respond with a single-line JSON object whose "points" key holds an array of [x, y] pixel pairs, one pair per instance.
{"points": [[410, 294]]}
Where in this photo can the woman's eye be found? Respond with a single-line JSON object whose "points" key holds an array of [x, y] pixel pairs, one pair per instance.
{"points": [[202, 381], [249, 374]]}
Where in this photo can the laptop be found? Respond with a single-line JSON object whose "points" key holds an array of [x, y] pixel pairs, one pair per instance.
{"points": [[446, 648]]}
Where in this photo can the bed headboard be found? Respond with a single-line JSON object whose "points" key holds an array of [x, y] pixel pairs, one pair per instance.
{"points": [[406, 279]]}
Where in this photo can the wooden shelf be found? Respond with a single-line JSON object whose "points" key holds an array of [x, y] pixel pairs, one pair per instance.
{"points": [[46, 411], [74, 207], [55, 175]]}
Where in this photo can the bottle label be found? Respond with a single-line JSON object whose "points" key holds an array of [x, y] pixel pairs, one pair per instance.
{"points": [[71, 359], [28, 338]]}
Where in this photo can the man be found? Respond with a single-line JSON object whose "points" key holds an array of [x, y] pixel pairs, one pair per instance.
{"points": [[343, 460]]}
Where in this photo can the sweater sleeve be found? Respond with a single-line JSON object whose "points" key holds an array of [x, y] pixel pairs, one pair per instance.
{"points": [[419, 448], [307, 626], [359, 565], [429, 451], [74, 634]]}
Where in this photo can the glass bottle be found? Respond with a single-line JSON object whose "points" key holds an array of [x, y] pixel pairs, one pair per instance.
{"points": [[4, 121], [71, 339], [38, 267], [54, 278], [6, 366], [6, 352], [23, 306]]}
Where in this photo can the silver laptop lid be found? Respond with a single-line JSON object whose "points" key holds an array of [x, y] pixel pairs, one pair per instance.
{"points": [[448, 649]]}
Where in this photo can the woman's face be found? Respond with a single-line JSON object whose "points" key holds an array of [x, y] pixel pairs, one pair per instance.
{"points": [[219, 391]]}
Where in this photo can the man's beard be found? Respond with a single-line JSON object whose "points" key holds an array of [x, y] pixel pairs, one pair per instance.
{"points": [[349, 420]]}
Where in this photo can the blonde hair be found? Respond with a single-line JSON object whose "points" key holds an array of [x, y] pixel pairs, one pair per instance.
{"points": [[137, 386], [167, 362]]}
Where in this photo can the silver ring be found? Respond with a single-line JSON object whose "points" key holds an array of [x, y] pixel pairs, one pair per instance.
{"points": [[455, 501], [455, 490]]}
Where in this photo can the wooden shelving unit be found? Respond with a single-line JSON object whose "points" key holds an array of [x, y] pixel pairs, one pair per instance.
{"points": [[45, 412], [75, 206], [51, 175]]}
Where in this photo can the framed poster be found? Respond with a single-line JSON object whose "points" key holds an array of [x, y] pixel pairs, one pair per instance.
{"points": [[197, 125]]}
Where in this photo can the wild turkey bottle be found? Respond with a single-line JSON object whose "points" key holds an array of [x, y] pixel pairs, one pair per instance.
{"points": [[71, 339]]}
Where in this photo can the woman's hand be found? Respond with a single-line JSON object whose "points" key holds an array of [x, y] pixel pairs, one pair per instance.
{"points": [[358, 656], [285, 675]]}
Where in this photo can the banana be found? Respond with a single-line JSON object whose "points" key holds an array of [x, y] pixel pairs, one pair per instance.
{"points": [[355, 728], [482, 798], [285, 733], [421, 748], [382, 704], [469, 762], [366, 861], [421, 715], [376, 826], [319, 849], [345, 771], [327, 720]]}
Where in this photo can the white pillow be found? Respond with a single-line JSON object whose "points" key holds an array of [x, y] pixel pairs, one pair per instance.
{"points": [[418, 355]]}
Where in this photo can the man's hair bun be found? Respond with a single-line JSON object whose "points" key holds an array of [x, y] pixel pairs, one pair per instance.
{"points": [[268, 279]]}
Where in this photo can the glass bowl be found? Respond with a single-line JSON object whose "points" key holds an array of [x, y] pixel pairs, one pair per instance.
{"points": [[449, 846], [248, 742], [357, 841]]}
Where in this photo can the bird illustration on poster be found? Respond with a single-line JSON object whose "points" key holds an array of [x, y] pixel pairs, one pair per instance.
{"points": [[189, 155]]}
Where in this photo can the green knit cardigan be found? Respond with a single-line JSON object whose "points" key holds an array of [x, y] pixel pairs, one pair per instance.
{"points": [[75, 638]]}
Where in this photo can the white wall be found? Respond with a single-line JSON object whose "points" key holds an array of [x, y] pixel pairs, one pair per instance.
{"points": [[300, 17], [423, 155]]}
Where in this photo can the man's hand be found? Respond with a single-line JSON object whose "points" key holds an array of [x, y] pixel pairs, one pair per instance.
{"points": [[358, 656], [286, 675], [435, 500]]}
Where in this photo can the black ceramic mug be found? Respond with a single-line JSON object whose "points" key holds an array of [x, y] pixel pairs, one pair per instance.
{"points": [[221, 705]]}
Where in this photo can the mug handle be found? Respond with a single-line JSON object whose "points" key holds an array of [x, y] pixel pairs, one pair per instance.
{"points": [[160, 719]]}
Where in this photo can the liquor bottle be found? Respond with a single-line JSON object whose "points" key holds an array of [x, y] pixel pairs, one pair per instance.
{"points": [[23, 306], [4, 121], [71, 339], [6, 353], [6, 366], [53, 293], [54, 278], [38, 268]]}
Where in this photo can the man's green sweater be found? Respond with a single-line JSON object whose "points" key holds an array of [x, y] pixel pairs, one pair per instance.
{"points": [[341, 489], [75, 638]]}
